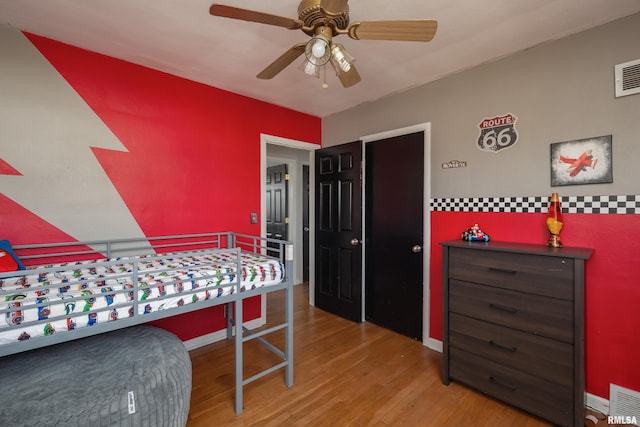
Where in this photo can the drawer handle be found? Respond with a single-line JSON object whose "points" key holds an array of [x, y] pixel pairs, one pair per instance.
{"points": [[503, 347], [502, 270], [510, 310], [510, 386]]}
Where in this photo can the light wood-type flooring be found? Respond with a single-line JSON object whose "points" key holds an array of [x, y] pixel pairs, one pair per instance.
{"points": [[346, 374]]}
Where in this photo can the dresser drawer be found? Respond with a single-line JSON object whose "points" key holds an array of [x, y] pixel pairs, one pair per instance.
{"points": [[533, 394], [535, 314], [537, 274], [538, 356]]}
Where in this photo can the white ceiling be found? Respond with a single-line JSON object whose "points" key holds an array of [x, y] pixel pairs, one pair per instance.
{"points": [[181, 38]]}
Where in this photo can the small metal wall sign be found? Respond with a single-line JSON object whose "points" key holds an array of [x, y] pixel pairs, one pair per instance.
{"points": [[497, 133], [453, 164]]}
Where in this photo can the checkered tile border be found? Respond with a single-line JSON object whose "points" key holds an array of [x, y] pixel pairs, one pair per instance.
{"points": [[570, 204]]}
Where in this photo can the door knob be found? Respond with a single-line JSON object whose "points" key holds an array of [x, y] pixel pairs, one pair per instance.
{"points": [[355, 242], [305, 229], [416, 249]]}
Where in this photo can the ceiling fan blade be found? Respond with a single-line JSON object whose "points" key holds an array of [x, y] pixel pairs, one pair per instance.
{"points": [[333, 7], [350, 78], [420, 30], [282, 62], [254, 16]]}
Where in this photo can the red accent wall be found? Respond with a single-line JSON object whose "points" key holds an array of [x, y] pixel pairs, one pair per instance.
{"points": [[192, 159], [7, 169], [612, 293], [193, 150]]}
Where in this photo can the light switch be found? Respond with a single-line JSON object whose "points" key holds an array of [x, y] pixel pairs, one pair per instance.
{"points": [[254, 217]]}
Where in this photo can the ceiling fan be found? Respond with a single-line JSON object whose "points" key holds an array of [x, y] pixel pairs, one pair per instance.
{"points": [[323, 20]]}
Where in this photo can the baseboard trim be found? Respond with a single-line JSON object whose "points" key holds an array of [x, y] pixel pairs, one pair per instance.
{"points": [[433, 344], [220, 335]]}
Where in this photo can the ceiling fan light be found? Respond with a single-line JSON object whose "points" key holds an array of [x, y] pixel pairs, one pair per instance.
{"points": [[340, 59], [318, 50], [310, 69]]}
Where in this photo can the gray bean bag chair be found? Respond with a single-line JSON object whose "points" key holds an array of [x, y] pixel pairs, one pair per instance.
{"points": [[138, 376]]}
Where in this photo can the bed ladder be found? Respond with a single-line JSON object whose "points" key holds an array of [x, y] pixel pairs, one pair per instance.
{"points": [[247, 334]]}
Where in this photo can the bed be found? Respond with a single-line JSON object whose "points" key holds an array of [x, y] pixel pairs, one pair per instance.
{"points": [[82, 289]]}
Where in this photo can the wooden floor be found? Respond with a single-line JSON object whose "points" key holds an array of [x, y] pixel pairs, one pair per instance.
{"points": [[346, 374]]}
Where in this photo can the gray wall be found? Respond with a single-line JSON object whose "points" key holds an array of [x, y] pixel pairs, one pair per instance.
{"points": [[562, 90]]}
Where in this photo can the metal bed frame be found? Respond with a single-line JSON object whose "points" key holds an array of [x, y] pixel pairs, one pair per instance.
{"points": [[221, 242]]}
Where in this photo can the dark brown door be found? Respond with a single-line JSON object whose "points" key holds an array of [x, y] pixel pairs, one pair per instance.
{"points": [[277, 202], [305, 223], [394, 233], [338, 266]]}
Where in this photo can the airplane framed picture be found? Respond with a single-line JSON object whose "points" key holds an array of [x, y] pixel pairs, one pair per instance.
{"points": [[582, 161]]}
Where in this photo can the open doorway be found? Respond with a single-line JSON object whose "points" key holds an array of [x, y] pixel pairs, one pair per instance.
{"points": [[298, 158]]}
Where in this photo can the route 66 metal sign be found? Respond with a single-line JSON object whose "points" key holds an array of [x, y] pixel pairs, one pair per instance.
{"points": [[497, 133]]}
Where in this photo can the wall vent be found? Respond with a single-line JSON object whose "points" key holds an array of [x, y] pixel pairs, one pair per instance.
{"points": [[624, 402], [627, 77]]}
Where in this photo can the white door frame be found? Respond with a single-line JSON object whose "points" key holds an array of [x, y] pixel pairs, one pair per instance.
{"points": [[426, 237], [295, 216]]}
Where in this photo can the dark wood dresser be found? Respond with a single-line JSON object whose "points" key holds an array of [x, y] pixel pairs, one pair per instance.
{"points": [[513, 324]]}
